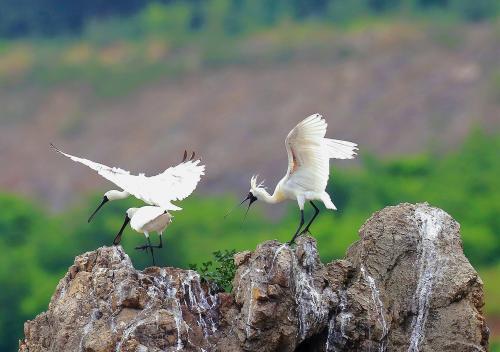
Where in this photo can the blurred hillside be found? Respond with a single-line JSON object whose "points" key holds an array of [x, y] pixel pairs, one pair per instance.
{"points": [[394, 87]]}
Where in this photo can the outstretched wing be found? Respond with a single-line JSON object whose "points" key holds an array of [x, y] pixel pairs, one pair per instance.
{"points": [[175, 183], [178, 182], [309, 153]]}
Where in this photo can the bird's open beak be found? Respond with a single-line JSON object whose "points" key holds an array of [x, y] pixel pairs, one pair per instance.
{"points": [[250, 197], [104, 201]]}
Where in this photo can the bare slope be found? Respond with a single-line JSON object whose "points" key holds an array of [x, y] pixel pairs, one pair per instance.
{"points": [[393, 90]]}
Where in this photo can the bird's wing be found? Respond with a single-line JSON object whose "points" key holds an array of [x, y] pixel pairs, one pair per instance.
{"points": [[309, 153], [178, 182], [145, 215], [338, 149], [308, 165], [175, 183]]}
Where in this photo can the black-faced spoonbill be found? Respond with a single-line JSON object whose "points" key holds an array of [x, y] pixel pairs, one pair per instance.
{"points": [[145, 220], [175, 183], [309, 153]]}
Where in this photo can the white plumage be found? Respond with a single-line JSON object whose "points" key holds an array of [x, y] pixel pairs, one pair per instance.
{"points": [[309, 154], [175, 183], [145, 220], [149, 219]]}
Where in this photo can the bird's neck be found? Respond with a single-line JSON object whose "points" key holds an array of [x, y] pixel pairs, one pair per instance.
{"points": [[276, 197]]}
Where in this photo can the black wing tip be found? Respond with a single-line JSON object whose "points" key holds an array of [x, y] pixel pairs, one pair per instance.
{"points": [[192, 158]]}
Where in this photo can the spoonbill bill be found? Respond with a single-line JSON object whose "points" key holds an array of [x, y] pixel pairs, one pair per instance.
{"points": [[309, 153], [175, 183]]}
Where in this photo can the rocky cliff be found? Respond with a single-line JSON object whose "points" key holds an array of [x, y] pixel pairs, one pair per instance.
{"points": [[404, 286]]}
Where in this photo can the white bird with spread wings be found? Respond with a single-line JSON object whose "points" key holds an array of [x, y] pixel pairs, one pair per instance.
{"points": [[309, 154], [175, 183]]}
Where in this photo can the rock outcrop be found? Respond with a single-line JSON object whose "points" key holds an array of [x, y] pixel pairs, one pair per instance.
{"points": [[404, 286]]}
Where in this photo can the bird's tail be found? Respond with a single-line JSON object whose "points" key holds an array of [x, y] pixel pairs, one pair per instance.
{"points": [[325, 198], [338, 149]]}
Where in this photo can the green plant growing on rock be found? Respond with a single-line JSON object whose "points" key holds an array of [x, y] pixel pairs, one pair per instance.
{"points": [[219, 275]]}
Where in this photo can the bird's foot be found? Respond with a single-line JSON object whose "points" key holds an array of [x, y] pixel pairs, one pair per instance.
{"points": [[292, 241], [305, 231], [142, 248]]}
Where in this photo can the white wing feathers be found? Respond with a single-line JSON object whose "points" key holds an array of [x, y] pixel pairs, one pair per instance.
{"points": [[144, 215], [309, 153], [338, 149], [175, 183]]}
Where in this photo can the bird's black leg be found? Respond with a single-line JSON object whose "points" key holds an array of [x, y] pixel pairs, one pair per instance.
{"points": [[146, 246], [160, 245], [316, 212], [152, 254], [300, 226]]}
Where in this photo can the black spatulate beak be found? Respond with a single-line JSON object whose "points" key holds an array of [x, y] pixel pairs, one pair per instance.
{"points": [[250, 197], [252, 200], [104, 201]]}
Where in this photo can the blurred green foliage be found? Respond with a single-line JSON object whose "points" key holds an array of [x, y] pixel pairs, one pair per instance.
{"points": [[171, 37], [37, 247], [53, 17]]}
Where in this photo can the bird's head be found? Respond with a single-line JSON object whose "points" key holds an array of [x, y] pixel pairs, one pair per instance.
{"points": [[131, 212], [109, 196], [251, 196], [115, 195], [257, 189], [256, 192]]}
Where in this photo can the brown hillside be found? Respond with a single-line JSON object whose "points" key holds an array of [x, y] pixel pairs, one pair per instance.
{"points": [[393, 90]]}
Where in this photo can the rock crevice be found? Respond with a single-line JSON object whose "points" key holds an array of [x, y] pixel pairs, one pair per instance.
{"points": [[404, 286]]}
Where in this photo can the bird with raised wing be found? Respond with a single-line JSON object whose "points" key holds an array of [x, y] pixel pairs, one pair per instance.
{"points": [[309, 154], [175, 183]]}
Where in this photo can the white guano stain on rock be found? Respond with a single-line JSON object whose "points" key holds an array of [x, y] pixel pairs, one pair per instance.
{"points": [[430, 267], [278, 250], [379, 306], [199, 302], [88, 326], [336, 330], [311, 305], [171, 293]]}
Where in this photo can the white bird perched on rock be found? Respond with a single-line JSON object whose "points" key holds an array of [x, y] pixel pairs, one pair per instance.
{"points": [[145, 220], [175, 183], [309, 153]]}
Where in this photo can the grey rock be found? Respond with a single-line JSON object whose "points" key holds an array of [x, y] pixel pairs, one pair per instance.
{"points": [[404, 286]]}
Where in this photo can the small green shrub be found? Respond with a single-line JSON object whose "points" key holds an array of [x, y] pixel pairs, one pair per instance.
{"points": [[219, 275]]}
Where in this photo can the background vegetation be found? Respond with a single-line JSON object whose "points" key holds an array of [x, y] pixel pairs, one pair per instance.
{"points": [[56, 17], [46, 42], [38, 246], [43, 43]]}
